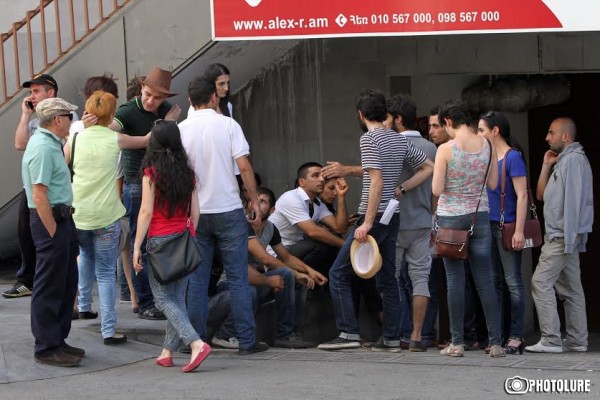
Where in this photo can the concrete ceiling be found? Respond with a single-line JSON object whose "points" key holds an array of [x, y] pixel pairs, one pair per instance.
{"points": [[245, 60]]}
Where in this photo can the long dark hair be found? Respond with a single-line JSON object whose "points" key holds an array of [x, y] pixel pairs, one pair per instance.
{"points": [[495, 118], [212, 72], [168, 162]]}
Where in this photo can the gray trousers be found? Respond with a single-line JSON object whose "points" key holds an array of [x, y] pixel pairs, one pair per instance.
{"points": [[558, 273]]}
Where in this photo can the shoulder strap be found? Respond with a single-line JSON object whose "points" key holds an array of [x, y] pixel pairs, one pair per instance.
{"points": [[487, 171], [72, 154], [532, 206], [503, 184]]}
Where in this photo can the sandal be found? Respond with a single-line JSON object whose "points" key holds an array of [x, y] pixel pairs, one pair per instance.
{"points": [[497, 351], [508, 349], [453, 350]]}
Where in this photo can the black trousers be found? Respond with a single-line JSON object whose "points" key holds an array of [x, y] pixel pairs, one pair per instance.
{"points": [[26, 245], [317, 255], [55, 282]]}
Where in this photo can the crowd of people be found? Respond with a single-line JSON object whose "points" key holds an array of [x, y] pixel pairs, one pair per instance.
{"points": [[99, 192]]}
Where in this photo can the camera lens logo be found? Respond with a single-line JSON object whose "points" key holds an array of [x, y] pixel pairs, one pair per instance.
{"points": [[516, 385]]}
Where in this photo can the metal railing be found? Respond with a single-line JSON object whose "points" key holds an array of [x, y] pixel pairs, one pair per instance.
{"points": [[34, 32]]}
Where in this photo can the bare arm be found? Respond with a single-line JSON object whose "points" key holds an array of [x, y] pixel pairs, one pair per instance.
{"points": [[297, 265], [259, 252], [255, 278], [143, 222], [247, 174], [492, 180], [334, 169], [442, 158], [339, 223], [424, 172], [22, 131], [520, 185], [320, 234], [42, 205], [375, 191]]}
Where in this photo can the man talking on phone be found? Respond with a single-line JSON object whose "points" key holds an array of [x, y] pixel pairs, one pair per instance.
{"points": [[41, 87]]}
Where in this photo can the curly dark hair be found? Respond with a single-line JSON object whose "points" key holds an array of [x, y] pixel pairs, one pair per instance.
{"points": [[172, 174]]}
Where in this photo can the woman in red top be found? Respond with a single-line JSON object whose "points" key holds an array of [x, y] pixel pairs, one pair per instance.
{"points": [[169, 206]]}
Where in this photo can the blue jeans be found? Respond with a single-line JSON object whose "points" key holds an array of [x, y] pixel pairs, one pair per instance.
{"points": [[340, 284], [289, 310], [228, 234], [132, 200], [507, 273], [98, 259], [220, 318], [480, 260], [170, 299]]}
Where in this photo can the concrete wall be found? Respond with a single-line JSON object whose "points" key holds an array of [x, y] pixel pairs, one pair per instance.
{"points": [[147, 33], [301, 108]]}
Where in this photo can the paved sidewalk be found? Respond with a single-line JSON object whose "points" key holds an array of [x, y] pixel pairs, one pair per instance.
{"points": [[17, 363]]}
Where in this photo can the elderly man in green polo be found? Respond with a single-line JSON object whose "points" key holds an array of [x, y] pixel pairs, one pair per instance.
{"points": [[47, 184]]}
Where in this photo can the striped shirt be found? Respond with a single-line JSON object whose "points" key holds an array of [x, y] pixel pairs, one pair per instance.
{"points": [[386, 150]]}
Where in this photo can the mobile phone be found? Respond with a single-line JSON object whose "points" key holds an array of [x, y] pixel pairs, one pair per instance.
{"points": [[29, 104]]}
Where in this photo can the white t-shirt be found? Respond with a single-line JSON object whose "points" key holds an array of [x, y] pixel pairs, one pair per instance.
{"points": [[291, 208], [213, 142]]}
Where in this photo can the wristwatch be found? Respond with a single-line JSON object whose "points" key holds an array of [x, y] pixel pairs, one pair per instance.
{"points": [[402, 190]]}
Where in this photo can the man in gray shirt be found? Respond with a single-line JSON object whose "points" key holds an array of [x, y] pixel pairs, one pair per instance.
{"points": [[412, 243]]}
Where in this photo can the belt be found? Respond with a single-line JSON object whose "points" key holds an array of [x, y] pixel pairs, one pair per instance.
{"points": [[59, 211]]}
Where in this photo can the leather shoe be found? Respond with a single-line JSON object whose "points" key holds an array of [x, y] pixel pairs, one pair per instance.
{"points": [[109, 341], [57, 358], [257, 348], [88, 315], [74, 351]]}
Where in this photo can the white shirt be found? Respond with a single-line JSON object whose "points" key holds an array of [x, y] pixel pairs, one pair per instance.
{"points": [[292, 208], [213, 142]]}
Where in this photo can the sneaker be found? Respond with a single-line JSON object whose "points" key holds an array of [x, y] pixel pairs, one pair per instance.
{"points": [[18, 290], [381, 346], [257, 348], [293, 341], [339, 343], [231, 343], [544, 347], [153, 314], [573, 348]]}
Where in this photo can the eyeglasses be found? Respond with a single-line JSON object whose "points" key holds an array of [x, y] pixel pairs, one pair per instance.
{"points": [[489, 114], [70, 116]]}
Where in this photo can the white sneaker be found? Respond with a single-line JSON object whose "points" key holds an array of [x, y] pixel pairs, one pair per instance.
{"points": [[544, 347], [231, 343], [573, 348]]}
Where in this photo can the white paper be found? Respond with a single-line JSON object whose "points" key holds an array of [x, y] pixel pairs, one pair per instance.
{"points": [[389, 212]]}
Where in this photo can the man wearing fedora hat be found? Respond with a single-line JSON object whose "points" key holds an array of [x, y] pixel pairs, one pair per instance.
{"points": [[134, 120], [383, 156], [47, 183]]}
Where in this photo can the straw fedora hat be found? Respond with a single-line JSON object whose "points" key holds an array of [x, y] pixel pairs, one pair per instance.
{"points": [[159, 80], [365, 257]]}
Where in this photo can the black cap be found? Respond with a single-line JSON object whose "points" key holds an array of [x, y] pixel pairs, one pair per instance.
{"points": [[43, 79]]}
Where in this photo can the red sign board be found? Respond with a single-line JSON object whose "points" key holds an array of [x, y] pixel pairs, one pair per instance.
{"points": [[273, 19]]}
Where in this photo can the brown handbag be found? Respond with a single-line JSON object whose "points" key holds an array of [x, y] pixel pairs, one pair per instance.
{"points": [[454, 243], [532, 230]]}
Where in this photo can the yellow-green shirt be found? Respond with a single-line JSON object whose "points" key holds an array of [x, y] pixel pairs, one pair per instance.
{"points": [[95, 163]]}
